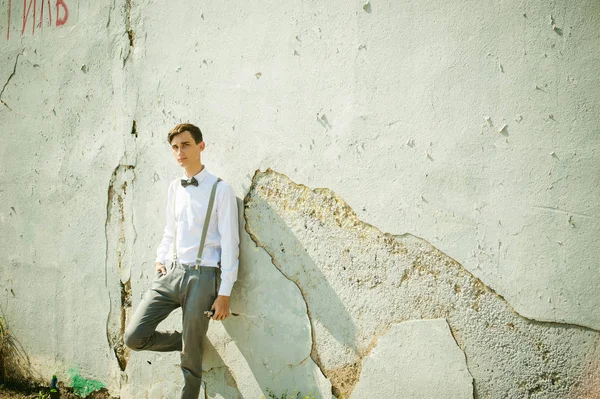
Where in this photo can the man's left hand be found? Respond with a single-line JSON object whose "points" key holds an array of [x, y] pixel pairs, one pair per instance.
{"points": [[220, 308]]}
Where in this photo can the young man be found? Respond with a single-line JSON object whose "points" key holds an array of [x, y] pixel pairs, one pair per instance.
{"points": [[190, 279]]}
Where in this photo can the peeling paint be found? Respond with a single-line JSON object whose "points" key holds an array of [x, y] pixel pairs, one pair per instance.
{"points": [[115, 269], [134, 129], [329, 255], [76, 91], [130, 33]]}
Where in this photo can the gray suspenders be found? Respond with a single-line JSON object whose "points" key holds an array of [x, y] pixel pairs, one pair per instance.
{"points": [[204, 229]]}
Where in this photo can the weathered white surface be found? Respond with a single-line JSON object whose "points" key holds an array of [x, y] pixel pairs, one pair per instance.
{"points": [[357, 281], [415, 359], [60, 117], [387, 108]]}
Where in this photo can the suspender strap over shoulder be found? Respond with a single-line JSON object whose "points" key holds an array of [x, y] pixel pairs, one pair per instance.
{"points": [[206, 222], [174, 224]]}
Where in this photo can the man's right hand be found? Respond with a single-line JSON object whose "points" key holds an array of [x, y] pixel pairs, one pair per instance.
{"points": [[160, 268]]}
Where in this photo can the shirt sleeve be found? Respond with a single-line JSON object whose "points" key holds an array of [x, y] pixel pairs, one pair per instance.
{"points": [[227, 217], [167, 238]]}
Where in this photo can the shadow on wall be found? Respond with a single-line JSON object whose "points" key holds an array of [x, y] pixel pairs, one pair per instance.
{"points": [[329, 317], [298, 266], [358, 281], [272, 333], [218, 380]]}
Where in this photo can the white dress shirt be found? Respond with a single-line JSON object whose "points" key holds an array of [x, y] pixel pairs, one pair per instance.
{"points": [[222, 237]]}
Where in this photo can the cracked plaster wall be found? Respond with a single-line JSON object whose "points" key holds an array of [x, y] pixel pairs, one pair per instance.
{"points": [[422, 358], [472, 131], [357, 281]]}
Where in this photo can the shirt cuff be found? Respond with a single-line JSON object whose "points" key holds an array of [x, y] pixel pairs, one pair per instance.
{"points": [[225, 288]]}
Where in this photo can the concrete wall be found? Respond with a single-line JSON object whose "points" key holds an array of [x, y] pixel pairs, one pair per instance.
{"points": [[451, 251]]}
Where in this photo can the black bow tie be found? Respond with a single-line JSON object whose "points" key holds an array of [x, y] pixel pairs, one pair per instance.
{"points": [[191, 182]]}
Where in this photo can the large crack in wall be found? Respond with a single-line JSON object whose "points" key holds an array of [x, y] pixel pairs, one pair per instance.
{"points": [[116, 269], [357, 281], [436, 369], [14, 71]]}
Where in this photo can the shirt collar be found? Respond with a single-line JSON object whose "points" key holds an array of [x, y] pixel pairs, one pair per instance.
{"points": [[199, 176]]}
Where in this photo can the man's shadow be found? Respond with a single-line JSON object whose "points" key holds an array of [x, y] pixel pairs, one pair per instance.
{"points": [[264, 299]]}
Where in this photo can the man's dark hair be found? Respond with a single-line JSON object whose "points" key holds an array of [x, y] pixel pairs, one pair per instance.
{"points": [[186, 127]]}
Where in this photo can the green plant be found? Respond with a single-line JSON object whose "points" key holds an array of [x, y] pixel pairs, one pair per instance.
{"points": [[43, 395], [294, 395]]}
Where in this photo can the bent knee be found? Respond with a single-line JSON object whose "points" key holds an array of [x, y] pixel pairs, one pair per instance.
{"points": [[133, 340]]}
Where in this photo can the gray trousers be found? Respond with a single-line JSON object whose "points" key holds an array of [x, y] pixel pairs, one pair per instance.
{"points": [[193, 290]]}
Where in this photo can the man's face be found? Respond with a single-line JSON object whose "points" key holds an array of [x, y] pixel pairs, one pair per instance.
{"points": [[185, 149]]}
